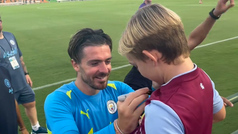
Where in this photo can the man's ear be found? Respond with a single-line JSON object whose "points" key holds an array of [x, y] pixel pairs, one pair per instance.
{"points": [[75, 65], [152, 55]]}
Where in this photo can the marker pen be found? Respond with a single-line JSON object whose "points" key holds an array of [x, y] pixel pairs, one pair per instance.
{"points": [[124, 96]]}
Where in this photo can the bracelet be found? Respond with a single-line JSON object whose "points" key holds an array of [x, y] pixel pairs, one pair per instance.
{"points": [[20, 129], [212, 15], [26, 73], [118, 127]]}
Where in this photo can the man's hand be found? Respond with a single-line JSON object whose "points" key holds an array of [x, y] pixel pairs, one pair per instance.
{"points": [[28, 80], [222, 7], [130, 110]]}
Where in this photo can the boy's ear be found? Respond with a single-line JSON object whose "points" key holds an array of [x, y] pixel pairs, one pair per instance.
{"points": [[75, 65], [152, 55]]}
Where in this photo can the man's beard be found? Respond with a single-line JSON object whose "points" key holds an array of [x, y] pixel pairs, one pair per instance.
{"points": [[90, 81], [97, 86]]}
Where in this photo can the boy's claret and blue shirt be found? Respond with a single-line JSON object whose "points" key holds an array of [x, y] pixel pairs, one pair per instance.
{"points": [[183, 105]]}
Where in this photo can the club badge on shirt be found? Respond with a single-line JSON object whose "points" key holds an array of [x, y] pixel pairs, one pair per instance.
{"points": [[14, 62], [111, 106], [7, 83], [12, 42]]}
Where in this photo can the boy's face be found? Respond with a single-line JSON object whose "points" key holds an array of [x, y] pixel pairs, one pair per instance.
{"points": [[150, 68], [95, 66], [143, 67]]}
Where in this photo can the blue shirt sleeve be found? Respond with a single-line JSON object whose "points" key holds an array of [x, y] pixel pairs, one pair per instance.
{"points": [[58, 113], [107, 130], [217, 100], [167, 119]]}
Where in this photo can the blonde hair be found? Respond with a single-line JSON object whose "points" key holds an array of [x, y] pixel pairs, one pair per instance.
{"points": [[154, 27]]}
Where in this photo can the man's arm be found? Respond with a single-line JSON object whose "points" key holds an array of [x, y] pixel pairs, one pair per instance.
{"points": [[28, 78], [20, 121], [200, 32]]}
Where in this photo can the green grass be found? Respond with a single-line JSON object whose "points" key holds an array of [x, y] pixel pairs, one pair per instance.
{"points": [[43, 32]]}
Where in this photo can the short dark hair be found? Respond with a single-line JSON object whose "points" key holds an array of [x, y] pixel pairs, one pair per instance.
{"points": [[84, 38]]}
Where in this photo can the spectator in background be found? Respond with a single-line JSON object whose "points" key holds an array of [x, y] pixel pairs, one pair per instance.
{"points": [[200, 1], [10, 113], [12, 59], [145, 3], [187, 101], [88, 104]]}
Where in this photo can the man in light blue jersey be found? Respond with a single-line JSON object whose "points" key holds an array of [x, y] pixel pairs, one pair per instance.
{"points": [[88, 104]]}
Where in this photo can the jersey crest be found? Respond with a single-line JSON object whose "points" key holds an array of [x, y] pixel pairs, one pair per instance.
{"points": [[111, 106], [201, 85], [12, 42], [7, 83]]}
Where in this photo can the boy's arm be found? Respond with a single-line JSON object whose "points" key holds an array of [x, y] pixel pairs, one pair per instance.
{"points": [[219, 111], [220, 115]]}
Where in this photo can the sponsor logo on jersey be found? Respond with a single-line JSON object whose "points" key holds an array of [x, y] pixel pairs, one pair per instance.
{"points": [[85, 113]]}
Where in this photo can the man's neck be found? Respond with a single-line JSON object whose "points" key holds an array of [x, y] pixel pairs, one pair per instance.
{"points": [[85, 88], [1, 35]]}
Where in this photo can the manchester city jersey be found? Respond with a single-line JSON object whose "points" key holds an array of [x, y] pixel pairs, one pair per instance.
{"points": [[68, 109]]}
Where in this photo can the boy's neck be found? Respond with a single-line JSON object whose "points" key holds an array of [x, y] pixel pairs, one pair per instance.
{"points": [[174, 70]]}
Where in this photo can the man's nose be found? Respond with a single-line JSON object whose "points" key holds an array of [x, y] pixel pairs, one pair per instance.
{"points": [[105, 68]]}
